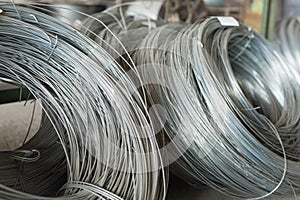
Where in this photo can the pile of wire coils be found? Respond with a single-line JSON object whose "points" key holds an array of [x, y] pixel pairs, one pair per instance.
{"points": [[126, 101]]}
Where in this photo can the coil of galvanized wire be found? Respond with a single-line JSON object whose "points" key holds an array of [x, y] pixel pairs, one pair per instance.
{"points": [[230, 97], [288, 39], [103, 129]]}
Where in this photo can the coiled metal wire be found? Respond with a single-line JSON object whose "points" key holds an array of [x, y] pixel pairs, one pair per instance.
{"points": [[230, 107], [288, 39], [87, 98], [231, 98]]}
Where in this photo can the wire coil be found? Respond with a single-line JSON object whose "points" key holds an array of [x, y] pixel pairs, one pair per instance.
{"points": [[288, 39], [227, 109], [232, 115], [86, 97]]}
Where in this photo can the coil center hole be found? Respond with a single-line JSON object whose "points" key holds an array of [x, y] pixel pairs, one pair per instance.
{"points": [[20, 116]]}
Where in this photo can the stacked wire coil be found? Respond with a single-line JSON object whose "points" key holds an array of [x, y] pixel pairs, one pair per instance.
{"points": [[237, 123], [85, 95], [227, 113], [287, 40]]}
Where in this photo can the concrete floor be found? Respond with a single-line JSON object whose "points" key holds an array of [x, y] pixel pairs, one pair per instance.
{"points": [[14, 123]]}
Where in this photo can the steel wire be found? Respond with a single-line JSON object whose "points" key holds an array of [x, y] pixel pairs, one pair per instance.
{"points": [[232, 99], [85, 90], [287, 40]]}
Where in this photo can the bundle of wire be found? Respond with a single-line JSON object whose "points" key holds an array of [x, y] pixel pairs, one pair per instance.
{"points": [[228, 96], [288, 38], [91, 147]]}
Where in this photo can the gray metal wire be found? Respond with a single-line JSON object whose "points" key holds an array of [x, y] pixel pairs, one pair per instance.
{"points": [[230, 107], [288, 39], [87, 98], [232, 99]]}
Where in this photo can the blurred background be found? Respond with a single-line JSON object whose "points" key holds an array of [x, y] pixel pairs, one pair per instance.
{"points": [[262, 15]]}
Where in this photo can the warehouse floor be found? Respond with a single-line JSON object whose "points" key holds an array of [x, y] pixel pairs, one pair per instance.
{"points": [[14, 123]]}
